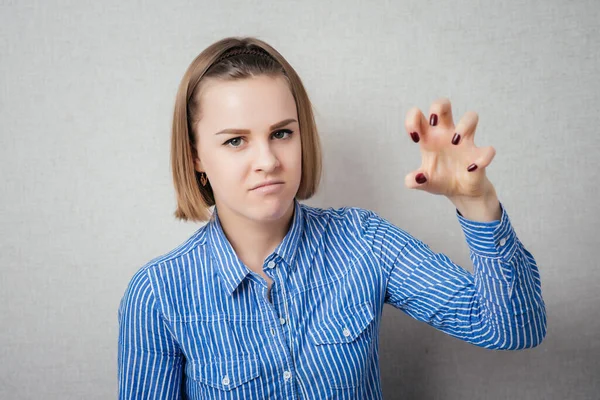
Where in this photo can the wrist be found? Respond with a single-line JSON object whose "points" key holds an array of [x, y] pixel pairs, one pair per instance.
{"points": [[484, 208]]}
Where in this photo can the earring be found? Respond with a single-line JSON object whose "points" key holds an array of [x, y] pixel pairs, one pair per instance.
{"points": [[203, 179]]}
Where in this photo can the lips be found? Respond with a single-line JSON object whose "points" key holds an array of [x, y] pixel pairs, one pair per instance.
{"points": [[266, 184]]}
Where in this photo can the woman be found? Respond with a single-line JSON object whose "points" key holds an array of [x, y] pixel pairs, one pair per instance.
{"points": [[273, 299]]}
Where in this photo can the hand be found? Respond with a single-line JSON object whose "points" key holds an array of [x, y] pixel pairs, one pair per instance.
{"points": [[451, 165]]}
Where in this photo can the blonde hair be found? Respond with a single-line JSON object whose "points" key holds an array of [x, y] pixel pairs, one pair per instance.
{"points": [[193, 199]]}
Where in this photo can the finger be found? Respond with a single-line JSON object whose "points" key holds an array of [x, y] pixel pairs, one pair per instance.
{"points": [[416, 180], [484, 158], [465, 130], [414, 123], [440, 113]]}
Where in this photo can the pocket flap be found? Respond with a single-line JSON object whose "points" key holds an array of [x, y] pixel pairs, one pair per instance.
{"points": [[228, 374], [343, 327]]}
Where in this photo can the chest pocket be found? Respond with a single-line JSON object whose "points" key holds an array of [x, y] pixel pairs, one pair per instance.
{"points": [[228, 379], [344, 344]]}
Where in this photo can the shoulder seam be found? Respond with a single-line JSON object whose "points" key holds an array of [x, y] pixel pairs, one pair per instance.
{"points": [[196, 240]]}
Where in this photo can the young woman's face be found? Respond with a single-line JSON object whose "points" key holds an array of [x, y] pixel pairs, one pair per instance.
{"points": [[249, 135]]}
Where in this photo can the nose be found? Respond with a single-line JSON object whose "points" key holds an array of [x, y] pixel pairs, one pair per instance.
{"points": [[266, 159]]}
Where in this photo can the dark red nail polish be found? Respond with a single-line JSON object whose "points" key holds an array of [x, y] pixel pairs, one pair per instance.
{"points": [[415, 137], [456, 138], [472, 168], [433, 120], [420, 178]]}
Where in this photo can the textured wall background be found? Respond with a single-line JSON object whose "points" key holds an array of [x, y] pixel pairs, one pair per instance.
{"points": [[86, 96]]}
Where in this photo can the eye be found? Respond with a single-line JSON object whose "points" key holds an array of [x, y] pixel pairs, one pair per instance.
{"points": [[234, 142], [282, 131]]}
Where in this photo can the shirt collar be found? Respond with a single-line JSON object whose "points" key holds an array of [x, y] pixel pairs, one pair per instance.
{"points": [[231, 269]]}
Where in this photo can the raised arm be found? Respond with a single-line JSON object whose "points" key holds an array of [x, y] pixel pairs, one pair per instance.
{"points": [[499, 306]]}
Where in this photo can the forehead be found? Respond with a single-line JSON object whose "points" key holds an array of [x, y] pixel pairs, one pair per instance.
{"points": [[251, 103]]}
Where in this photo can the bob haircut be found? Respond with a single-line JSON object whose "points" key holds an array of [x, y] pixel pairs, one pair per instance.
{"points": [[193, 199]]}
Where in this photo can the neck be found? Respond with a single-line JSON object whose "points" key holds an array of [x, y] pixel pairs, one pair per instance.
{"points": [[253, 240]]}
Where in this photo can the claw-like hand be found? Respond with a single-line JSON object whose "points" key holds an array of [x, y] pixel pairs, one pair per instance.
{"points": [[451, 163]]}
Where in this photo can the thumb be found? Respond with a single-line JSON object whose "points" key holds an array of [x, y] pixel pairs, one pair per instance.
{"points": [[412, 179], [486, 156]]}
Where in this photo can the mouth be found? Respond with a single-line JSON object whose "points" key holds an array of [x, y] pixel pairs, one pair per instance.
{"points": [[267, 184]]}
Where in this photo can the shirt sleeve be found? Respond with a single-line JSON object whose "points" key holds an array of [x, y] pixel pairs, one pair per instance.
{"points": [[499, 306], [150, 362]]}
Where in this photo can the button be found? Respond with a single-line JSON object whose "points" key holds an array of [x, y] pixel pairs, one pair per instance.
{"points": [[346, 332], [282, 321], [287, 375], [225, 380], [271, 264], [502, 242]]}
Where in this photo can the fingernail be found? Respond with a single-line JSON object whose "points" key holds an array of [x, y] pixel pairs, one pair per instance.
{"points": [[433, 120], [456, 138], [472, 168], [415, 137], [420, 178]]}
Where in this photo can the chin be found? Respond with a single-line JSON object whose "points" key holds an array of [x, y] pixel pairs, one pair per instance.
{"points": [[272, 209]]}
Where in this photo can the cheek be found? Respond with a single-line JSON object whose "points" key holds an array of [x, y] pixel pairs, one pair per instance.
{"points": [[299, 155], [225, 170], [231, 172], [295, 151]]}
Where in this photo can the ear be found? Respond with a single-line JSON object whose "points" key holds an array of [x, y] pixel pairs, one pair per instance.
{"points": [[197, 162], [198, 165]]}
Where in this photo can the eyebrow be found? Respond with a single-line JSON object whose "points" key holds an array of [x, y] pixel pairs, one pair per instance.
{"points": [[247, 132]]}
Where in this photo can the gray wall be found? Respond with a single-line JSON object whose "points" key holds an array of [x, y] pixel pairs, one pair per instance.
{"points": [[86, 96]]}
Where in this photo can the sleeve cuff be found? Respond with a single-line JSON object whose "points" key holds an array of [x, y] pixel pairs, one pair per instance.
{"points": [[495, 239]]}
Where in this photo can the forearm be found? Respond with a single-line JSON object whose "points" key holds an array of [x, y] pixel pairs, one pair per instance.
{"points": [[499, 306], [507, 282], [510, 294]]}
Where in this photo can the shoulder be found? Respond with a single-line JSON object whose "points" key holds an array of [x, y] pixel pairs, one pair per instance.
{"points": [[359, 223], [150, 276], [355, 218], [355, 221]]}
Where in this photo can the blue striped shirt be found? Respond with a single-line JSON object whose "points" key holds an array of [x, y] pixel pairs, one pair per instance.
{"points": [[196, 323]]}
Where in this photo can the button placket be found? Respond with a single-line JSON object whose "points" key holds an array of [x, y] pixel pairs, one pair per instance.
{"points": [[282, 319]]}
